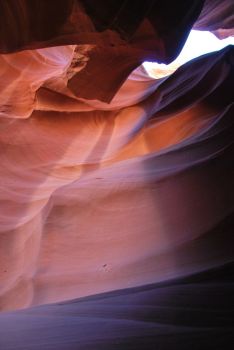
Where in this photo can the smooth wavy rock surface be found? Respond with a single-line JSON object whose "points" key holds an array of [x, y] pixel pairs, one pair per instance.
{"points": [[115, 188], [178, 314]]}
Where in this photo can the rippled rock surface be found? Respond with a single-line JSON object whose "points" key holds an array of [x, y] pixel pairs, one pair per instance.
{"points": [[116, 189]]}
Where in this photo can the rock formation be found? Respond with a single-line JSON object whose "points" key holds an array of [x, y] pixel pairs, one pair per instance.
{"points": [[115, 188]]}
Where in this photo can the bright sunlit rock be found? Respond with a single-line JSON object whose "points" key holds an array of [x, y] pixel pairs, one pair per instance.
{"points": [[197, 44]]}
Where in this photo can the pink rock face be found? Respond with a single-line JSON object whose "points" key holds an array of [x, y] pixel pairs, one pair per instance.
{"points": [[98, 196], [111, 180]]}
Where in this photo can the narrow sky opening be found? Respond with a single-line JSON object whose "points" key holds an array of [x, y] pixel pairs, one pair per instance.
{"points": [[197, 44]]}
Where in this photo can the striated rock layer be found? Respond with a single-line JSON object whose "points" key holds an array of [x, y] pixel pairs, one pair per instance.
{"points": [[111, 181]]}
